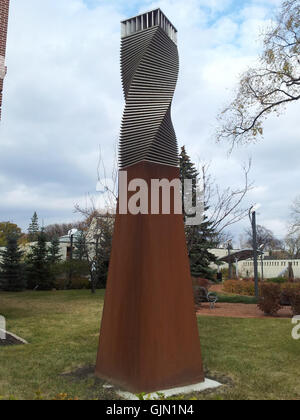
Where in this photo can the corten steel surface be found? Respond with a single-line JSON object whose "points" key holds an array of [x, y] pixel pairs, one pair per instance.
{"points": [[149, 338], [150, 65], [4, 10]]}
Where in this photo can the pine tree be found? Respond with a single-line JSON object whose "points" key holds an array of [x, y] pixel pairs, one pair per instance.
{"points": [[39, 274], [80, 246], [11, 268], [199, 238], [54, 254], [104, 255], [187, 171], [200, 256], [33, 229]]}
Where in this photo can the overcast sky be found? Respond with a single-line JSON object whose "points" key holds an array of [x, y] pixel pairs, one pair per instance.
{"points": [[63, 98]]}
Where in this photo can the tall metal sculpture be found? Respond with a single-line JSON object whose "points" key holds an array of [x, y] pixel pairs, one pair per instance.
{"points": [[150, 66], [149, 338], [4, 10]]}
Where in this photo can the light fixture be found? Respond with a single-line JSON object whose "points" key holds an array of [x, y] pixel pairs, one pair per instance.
{"points": [[72, 232], [255, 207]]}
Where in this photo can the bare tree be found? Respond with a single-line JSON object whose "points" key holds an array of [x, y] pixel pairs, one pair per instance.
{"points": [[96, 240], [108, 186], [60, 229], [271, 85], [265, 238], [222, 239], [292, 245], [225, 205], [295, 215]]}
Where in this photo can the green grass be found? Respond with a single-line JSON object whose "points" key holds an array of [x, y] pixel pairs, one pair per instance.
{"points": [[257, 359]]}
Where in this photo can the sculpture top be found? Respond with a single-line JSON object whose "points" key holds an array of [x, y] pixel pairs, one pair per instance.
{"points": [[148, 20], [4, 9]]}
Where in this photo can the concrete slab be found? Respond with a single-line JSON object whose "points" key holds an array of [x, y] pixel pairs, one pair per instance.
{"points": [[203, 386], [3, 332]]}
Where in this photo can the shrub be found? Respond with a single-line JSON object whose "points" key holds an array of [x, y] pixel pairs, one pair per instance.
{"points": [[295, 301], [201, 282], [269, 301], [78, 268], [287, 291], [278, 280], [291, 294], [240, 287], [80, 272], [225, 272], [77, 283], [247, 300]]}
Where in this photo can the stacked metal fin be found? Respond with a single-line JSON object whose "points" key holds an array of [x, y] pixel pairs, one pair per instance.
{"points": [[4, 9], [150, 66]]}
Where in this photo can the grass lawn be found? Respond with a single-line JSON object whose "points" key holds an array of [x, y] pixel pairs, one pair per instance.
{"points": [[257, 359]]}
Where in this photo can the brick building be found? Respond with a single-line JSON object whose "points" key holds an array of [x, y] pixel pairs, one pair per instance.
{"points": [[4, 9]]}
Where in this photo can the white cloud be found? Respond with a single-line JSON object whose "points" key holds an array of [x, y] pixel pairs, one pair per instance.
{"points": [[63, 98]]}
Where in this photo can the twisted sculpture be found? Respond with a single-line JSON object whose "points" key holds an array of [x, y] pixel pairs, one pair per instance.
{"points": [[149, 338], [4, 10], [150, 65]]}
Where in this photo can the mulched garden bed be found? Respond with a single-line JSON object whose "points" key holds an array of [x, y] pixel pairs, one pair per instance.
{"points": [[239, 310], [10, 341]]}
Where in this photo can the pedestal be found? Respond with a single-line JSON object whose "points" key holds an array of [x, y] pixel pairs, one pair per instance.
{"points": [[149, 336]]}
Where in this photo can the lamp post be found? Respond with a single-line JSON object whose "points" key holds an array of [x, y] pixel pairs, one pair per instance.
{"points": [[237, 268], [229, 248], [71, 234], [252, 216], [261, 248]]}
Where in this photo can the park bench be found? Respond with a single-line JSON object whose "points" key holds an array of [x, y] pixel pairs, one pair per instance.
{"points": [[201, 294]]}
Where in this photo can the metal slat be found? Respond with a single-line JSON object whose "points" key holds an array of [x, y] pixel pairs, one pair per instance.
{"points": [[147, 20], [150, 65]]}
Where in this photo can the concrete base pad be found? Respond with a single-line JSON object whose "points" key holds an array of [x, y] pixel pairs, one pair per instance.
{"points": [[3, 333], [203, 386]]}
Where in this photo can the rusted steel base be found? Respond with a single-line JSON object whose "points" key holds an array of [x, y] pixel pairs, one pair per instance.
{"points": [[149, 337]]}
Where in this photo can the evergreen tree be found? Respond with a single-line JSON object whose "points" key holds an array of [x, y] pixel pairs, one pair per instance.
{"points": [[11, 268], [80, 246], [33, 229], [39, 274], [199, 238], [187, 171], [54, 254], [104, 254], [200, 257]]}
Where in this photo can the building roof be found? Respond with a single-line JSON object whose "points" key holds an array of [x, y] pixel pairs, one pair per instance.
{"points": [[66, 239], [244, 254]]}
